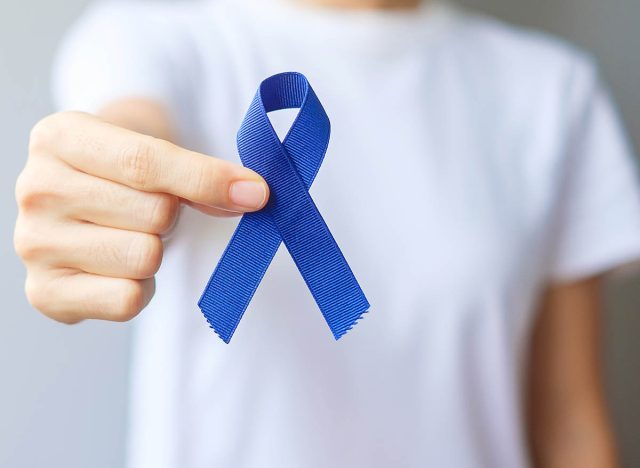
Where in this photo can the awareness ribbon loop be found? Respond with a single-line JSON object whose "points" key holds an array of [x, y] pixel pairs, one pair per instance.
{"points": [[289, 168]]}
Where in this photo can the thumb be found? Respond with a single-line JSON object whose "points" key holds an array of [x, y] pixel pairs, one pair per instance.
{"points": [[207, 181], [153, 165]]}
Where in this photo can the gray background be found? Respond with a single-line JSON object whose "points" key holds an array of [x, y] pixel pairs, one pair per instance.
{"points": [[63, 389]]}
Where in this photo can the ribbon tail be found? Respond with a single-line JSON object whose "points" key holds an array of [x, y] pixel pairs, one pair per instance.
{"points": [[239, 272], [324, 269], [313, 248]]}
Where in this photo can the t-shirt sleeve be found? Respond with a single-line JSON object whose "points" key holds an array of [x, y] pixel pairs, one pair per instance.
{"points": [[598, 211], [122, 50]]}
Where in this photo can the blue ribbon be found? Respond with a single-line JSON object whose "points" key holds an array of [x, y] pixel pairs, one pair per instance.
{"points": [[289, 167]]}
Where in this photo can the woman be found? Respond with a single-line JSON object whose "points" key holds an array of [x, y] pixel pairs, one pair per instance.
{"points": [[477, 181]]}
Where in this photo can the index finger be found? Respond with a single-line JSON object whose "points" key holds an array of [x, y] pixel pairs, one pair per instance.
{"points": [[149, 164]]}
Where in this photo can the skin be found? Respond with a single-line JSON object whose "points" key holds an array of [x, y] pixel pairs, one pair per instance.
{"points": [[568, 421], [92, 245]]}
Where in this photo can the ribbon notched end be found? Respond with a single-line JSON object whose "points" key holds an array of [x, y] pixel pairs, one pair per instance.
{"points": [[339, 332], [224, 325]]}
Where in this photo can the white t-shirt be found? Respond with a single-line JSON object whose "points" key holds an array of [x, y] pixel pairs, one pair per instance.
{"points": [[470, 164]]}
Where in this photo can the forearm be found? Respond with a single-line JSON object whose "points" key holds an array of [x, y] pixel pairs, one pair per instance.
{"points": [[568, 420], [142, 116], [577, 436]]}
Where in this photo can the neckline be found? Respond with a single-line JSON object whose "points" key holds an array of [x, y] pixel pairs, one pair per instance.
{"points": [[370, 32]]}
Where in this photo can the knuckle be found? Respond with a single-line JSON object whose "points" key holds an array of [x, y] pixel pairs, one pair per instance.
{"points": [[46, 132], [136, 163], [144, 255], [211, 183], [32, 190], [131, 301], [20, 242], [24, 188], [26, 244], [34, 292], [163, 213], [37, 292], [201, 182]]}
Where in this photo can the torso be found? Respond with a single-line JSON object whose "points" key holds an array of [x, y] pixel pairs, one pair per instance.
{"points": [[440, 197]]}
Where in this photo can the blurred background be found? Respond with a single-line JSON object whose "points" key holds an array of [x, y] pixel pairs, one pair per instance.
{"points": [[63, 389]]}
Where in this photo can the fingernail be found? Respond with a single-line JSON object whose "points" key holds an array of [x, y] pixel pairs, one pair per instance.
{"points": [[248, 194]]}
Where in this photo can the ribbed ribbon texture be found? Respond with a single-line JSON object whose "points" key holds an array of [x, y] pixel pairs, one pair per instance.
{"points": [[290, 216]]}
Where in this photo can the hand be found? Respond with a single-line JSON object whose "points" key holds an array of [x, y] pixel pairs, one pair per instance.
{"points": [[93, 200]]}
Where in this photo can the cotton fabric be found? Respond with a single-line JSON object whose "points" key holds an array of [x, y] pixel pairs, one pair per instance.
{"points": [[471, 163]]}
